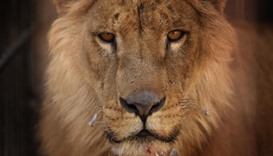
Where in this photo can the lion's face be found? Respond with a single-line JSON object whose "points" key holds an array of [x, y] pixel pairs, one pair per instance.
{"points": [[149, 64], [142, 67]]}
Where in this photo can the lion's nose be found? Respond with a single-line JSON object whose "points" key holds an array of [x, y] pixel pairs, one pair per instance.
{"points": [[143, 103]]}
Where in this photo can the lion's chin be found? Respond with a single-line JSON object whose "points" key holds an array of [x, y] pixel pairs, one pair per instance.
{"points": [[150, 147]]}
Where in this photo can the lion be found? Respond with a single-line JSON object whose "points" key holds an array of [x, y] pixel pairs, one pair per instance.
{"points": [[153, 77]]}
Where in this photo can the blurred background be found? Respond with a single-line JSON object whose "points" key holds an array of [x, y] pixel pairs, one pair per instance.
{"points": [[23, 57]]}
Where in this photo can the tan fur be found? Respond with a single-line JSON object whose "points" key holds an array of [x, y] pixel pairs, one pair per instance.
{"points": [[208, 82]]}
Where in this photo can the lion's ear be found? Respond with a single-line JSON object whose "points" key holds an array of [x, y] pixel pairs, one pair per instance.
{"points": [[218, 4], [63, 6]]}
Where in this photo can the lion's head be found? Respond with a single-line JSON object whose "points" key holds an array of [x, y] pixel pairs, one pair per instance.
{"points": [[154, 72]]}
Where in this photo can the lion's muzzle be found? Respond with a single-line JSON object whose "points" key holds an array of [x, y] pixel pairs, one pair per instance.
{"points": [[143, 104]]}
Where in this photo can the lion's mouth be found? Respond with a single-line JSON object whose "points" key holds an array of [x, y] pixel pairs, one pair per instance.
{"points": [[144, 136], [143, 133]]}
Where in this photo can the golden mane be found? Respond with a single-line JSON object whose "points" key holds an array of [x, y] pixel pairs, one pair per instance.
{"points": [[207, 89]]}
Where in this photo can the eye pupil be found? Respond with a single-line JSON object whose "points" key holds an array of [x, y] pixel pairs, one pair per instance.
{"points": [[107, 37], [175, 35]]}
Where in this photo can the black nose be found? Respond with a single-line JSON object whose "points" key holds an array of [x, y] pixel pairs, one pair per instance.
{"points": [[143, 103]]}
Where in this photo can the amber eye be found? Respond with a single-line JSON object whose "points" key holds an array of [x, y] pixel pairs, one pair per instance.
{"points": [[175, 35], [107, 37]]}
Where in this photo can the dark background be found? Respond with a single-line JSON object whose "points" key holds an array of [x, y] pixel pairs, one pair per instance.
{"points": [[260, 11], [265, 10], [19, 96], [16, 98]]}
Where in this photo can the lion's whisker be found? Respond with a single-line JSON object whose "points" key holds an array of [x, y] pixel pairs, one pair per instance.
{"points": [[92, 121]]}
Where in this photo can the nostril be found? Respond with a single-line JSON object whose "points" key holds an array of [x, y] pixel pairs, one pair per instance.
{"points": [[128, 107], [142, 109], [157, 106]]}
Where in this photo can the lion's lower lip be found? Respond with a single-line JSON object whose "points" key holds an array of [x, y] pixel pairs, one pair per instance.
{"points": [[144, 136], [143, 133]]}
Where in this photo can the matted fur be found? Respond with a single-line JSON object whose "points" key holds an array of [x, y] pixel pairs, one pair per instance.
{"points": [[205, 110]]}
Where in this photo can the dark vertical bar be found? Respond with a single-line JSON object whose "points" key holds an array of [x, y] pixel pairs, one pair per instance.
{"points": [[265, 11], [243, 10], [16, 135]]}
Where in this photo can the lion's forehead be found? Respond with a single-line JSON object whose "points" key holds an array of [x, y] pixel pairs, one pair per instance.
{"points": [[141, 15]]}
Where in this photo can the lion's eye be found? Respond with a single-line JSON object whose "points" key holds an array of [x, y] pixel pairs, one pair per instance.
{"points": [[175, 35], [107, 37]]}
